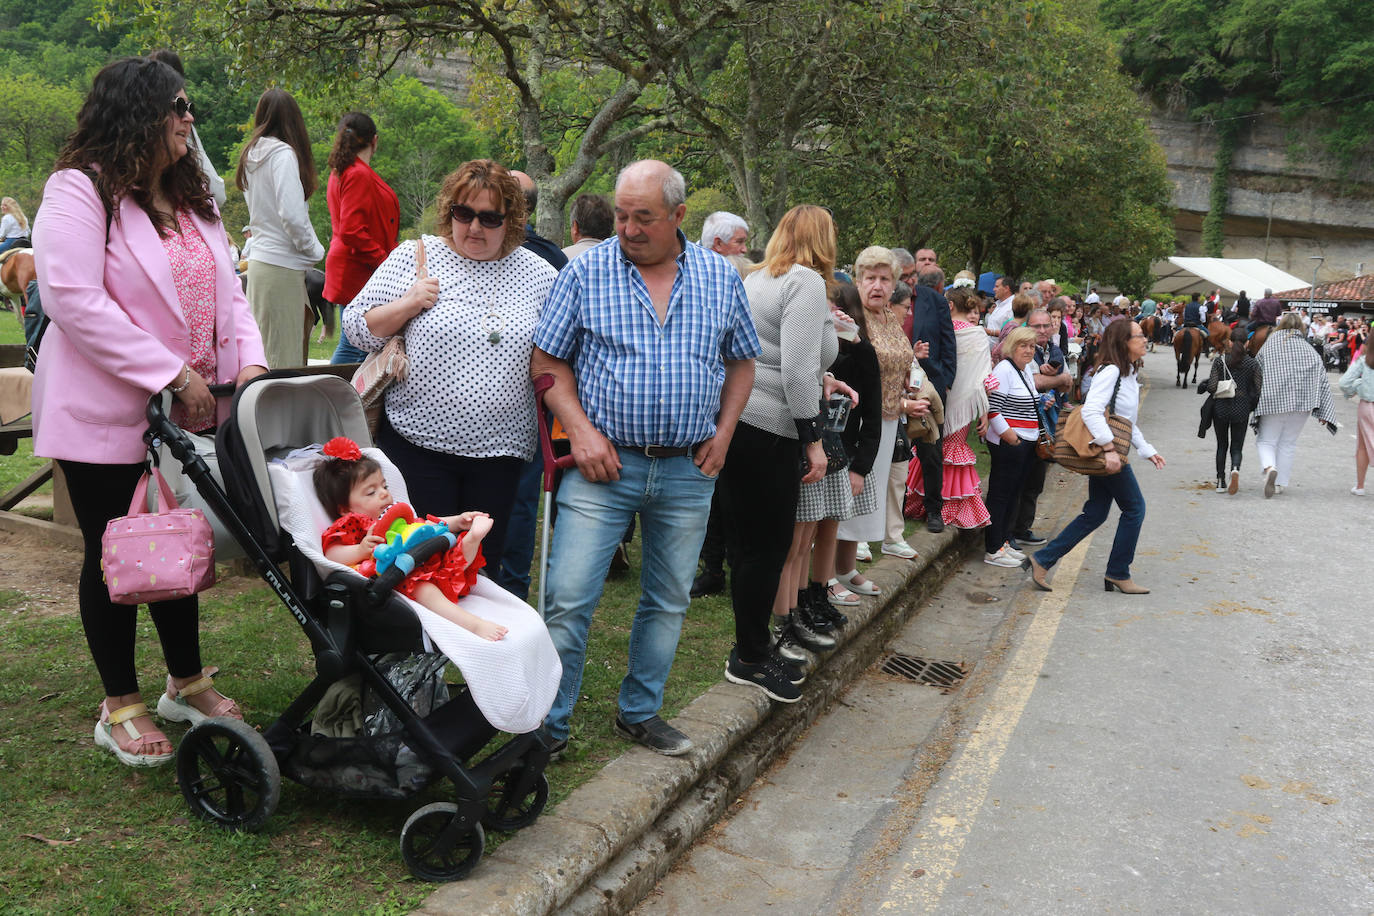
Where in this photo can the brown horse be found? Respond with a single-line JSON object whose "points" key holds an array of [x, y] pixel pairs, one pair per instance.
{"points": [[1149, 326], [1187, 349], [1252, 346], [1218, 336], [16, 270]]}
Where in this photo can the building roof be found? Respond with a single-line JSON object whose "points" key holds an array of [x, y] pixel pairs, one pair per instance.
{"points": [[1353, 289]]}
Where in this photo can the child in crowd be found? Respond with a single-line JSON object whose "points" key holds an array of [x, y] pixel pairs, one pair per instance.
{"points": [[352, 489]]}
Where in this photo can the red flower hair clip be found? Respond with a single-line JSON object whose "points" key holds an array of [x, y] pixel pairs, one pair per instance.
{"points": [[342, 448]]}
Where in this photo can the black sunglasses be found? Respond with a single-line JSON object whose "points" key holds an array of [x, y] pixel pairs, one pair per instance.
{"points": [[182, 107], [488, 219]]}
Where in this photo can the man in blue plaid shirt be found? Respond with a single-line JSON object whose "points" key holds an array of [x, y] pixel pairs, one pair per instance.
{"points": [[651, 345]]}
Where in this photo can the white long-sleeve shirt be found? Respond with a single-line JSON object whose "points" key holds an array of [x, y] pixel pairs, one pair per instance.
{"points": [[207, 167], [1127, 405], [282, 232]]}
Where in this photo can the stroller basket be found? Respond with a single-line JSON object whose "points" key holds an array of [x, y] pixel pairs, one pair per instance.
{"points": [[416, 732]]}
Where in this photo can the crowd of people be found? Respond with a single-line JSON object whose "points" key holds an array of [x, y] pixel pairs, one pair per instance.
{"points": [[785, 414]]}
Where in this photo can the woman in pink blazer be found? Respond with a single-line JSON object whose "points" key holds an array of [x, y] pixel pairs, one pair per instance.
{"points": [[134, 271], [364, 214]]}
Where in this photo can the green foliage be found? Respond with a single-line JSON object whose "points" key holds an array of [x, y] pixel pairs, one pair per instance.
{"points": [[1219, 195], [1227, 58], [701, 204]]}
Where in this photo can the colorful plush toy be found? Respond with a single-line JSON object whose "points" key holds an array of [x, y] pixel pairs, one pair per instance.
{"points": [[403, 531]]}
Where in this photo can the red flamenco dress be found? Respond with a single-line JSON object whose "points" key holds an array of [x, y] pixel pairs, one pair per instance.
{"points": [[450, 571], [963, 491]]}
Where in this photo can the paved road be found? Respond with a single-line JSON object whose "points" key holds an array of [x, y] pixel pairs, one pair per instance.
{"points": [[1202, 749]]}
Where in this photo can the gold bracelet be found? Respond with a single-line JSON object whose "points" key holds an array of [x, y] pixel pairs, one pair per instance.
{"points": [[185, 381]]}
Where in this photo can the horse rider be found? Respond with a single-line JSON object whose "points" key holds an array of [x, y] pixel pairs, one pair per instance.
{"points": [[1192, 312], [1263, 311]]}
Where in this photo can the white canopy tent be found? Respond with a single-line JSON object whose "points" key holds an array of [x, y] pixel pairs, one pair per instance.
{"points": [[1183, 276]]}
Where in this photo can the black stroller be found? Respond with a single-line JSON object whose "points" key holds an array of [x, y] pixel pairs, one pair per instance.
{"points": [[230, 774]]}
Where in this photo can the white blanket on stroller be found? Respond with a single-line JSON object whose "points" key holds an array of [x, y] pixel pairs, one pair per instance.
{"points": [[513, 680]]}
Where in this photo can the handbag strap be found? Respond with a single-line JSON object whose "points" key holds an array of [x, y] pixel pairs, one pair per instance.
{"points": [[1111, 405], [1035, 399], [166, 502]]}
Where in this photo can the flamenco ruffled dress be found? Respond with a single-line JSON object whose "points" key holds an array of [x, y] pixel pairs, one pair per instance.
{"points": [[450, 571], [963, 491]]}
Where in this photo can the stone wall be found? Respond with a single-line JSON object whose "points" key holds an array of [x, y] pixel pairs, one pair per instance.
{"points": [[1288, 203]]}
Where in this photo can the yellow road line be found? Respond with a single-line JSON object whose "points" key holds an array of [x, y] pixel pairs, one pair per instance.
{"points": [[939, 840]]}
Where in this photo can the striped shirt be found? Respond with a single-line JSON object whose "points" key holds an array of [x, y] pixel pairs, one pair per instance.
{"points": [[642, 383], [1010, 403]]}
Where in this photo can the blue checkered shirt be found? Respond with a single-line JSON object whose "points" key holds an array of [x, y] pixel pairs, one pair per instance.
{"points": [[641, 383]]}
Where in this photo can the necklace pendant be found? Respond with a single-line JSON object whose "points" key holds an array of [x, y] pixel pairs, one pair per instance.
{"points": [[494, 338]]}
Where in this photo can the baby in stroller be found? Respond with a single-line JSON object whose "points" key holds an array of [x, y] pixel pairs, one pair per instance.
{"points": [[353, 489]]}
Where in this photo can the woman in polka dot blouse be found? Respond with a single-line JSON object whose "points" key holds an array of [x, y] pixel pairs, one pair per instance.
{"points": [[461, 425]]}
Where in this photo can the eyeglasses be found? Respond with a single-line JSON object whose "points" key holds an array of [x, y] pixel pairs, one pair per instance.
{"points": [[487, 219], [182, 107], [1039, 326]]}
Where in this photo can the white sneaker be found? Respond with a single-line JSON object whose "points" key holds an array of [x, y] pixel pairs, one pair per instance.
{"points": [[1012, 552], [1358, 491], [1001, 558], [863, 554], [900, 549]]}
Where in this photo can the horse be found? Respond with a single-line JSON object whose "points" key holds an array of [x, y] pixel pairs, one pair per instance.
{"points": [[1252, 346], [1218, 336], [16, 270], [1149, 326], [1187, 348]]}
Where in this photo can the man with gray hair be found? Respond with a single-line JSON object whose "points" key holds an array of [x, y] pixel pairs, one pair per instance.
{"points": [[1264, 311], [906, 266], [725, 234], [651, 347]]}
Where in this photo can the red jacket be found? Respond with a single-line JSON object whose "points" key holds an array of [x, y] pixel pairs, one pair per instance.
{"points": [[365, 216]]}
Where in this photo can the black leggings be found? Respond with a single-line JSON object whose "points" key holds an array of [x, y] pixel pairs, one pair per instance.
{"points": [[1235, 433], [101, 492]]}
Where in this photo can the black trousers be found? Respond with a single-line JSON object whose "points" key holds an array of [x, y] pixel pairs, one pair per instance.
{"points": [[99, 493], [931, 455], [758, 492], [1229, 436], [713, 547], [1010, 464], [1031, 488], [441, 484]]}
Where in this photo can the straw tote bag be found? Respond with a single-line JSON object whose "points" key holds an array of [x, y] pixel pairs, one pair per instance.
{"points": [[1073, 442]]}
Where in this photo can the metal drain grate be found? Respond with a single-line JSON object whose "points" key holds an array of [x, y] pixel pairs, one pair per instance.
{"points": [[945, 675]]}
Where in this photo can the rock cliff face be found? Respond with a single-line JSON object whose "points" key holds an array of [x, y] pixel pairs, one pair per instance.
{"points": [[1287, 203]]}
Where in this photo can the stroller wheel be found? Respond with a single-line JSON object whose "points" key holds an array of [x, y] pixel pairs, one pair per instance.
{"points": [[507, 813], [228, 774], [426, 854]]}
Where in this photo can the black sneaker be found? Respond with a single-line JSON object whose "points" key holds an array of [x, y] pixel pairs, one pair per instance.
{"points": [[806, 633], [785, 643], [708, 582], [656, 735], [766, 675], [1030, 538], [935, 524]]}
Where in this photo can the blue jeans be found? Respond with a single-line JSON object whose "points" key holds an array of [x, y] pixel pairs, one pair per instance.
{"points": [[345, 352], [673, 499], [7, 244], [1120, 488]]}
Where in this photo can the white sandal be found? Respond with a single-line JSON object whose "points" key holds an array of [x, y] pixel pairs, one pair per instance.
{"points": [[864, 588], [839, 596]]}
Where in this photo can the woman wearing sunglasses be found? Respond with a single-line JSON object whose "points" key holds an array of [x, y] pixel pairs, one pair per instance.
{"points": [[276, 174], [134, 269], [461, 425]]}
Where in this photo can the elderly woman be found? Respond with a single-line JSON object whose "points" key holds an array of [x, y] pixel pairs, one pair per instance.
{"points": [[134, 269], [778, 434], [461, 424], [1295, 386], [1013, 426], [876, 272]]}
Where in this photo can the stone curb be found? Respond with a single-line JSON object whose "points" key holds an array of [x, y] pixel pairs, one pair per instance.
{"points": [[614, 837]]}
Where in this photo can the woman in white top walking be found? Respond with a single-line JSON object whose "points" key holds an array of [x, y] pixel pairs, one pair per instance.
{"points": [[277, 176], [1117, 379]]}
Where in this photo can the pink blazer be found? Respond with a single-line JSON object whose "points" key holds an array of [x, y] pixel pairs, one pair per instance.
{"points": [[118, 333]]}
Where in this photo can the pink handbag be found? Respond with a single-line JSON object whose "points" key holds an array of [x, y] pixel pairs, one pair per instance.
{"points": [[157, 556]]}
